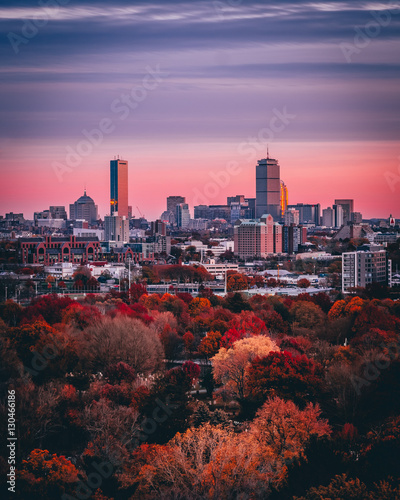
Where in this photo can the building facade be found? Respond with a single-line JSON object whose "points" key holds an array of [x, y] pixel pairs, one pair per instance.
{"points": [[116, 228], [254, 238], [364, 267], [48, 250], [348, 209]]}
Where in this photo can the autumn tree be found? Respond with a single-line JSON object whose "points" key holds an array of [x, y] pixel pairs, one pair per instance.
{"points": [[283, 431], [284, 375], [210, 344], [303, 283], [46, 476], [230, 366], [112, 340], [236, 282]]}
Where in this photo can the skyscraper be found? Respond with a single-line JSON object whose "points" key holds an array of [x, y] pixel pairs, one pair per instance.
{"points": [[182, 215], [348, 209], [119, 187], [172, 202], [268, 188]]}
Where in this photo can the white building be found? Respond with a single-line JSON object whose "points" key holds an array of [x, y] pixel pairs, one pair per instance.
{"points": [[366, 266]]}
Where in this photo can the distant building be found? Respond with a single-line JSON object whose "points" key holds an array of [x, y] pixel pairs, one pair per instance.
{"points": [[292, 216], [268, 188], [84, 208], [172, 202], [338, 215], [58, 212], [348, 209], [368, 265], [254, 238], [49, 250], [356, 218], [116, 228], [308, 213], [328, 217], [119, 188], [182, 215], [293, 237]]}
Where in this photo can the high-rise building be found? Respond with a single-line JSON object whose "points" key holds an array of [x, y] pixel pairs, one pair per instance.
{"points": [[368, 265], [268, 188], [284, 199], [338, 215], [172, 202], [116, 228], [119, 188], [293, 236], [348, 209], [83, 209], [292, 216], [328, 217], [182, 215], [254, 238]]}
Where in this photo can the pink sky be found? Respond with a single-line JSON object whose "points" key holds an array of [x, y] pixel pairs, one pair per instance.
{"points": [[313, 172]]}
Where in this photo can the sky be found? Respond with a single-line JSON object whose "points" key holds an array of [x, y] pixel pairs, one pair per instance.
{"points": [[192, 93]]}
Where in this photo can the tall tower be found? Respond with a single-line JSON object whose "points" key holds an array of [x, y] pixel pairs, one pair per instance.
{"points": [[119, 187], [284, 199], [268, 188]]}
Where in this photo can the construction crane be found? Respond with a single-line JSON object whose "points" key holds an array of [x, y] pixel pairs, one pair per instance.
{"points": [[140, 213]]}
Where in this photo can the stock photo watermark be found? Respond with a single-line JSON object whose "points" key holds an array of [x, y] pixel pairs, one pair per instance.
{"points": [[31, 27], [392, 178], [248, 149], [365, 34], [121, 109], [374, 368], [148, 426]]}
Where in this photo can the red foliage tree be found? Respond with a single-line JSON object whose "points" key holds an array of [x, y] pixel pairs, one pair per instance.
{"points": [[284, 375]]}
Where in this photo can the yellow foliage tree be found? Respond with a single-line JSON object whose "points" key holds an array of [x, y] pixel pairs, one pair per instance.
{"points": [[230, 366]]}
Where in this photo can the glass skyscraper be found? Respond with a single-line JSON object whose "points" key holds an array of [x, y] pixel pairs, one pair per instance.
{"points": [[119, 187]]}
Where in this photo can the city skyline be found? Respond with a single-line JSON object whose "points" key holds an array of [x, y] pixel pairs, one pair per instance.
{"points": [[184, 90]]}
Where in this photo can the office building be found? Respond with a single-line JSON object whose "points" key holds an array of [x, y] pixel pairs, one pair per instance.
{"points": [[292, 216], [58, 212], [119, 188], [182, 215], [268, 188], [172, 202], [348, 209], [328, 217], [308, 213], [368, 265], [83, 209], [293, 236], [338, 215], [116, 228]]}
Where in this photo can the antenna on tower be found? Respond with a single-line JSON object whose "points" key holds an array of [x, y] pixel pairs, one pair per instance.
{"points": [[267, 151]]}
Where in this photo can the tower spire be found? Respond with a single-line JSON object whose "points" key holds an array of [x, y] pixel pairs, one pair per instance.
{"points": [[267, 151]]}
